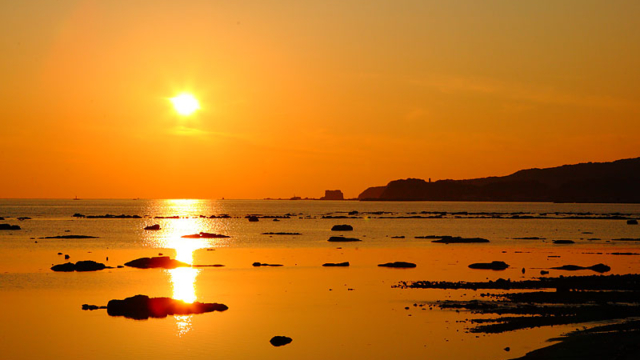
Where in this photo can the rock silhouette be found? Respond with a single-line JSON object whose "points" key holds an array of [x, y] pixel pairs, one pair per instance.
{"points": [[398, 264], [142, 307], [152, 227], [163, 262], [9, 227], [459, 240], [280, 340], [346, 263], [342, 239], [344, 227], [87, 265], [494, 265], [599, 268], [205, 235]]}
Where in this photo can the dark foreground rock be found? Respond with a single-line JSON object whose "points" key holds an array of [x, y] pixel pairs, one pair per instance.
{"points": [[632, 222], [494, 265], [92, 307], [152, 227], [343, 227], [163, 262], [253, 218], [607, 342], [399, 265], [342, 239], [258, 264], [346, 263], [142, 307], [280, 340], [599, 268], [564, 242], [9, 227], [565, 300], [459, 240], [87, 265], [204, 235]]}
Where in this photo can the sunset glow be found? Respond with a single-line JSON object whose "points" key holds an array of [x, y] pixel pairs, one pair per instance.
{"points": [[185, 104]]}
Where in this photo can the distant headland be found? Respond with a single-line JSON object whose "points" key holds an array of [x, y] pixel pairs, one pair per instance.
{"points": [[607, 182]]}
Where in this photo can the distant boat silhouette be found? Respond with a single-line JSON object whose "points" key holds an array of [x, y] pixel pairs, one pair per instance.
{"points": [[76, 198]]}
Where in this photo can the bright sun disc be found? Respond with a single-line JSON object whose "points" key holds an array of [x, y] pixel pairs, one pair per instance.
{"points": [[185, 104]]}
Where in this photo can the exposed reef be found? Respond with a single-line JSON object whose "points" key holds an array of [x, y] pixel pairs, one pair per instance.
{"points": [[494, 265], [342, 239], [87, 265], [204, 235], [140, 307], [163, 262]]}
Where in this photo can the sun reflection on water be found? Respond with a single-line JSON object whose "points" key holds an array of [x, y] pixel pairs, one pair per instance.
{"points": [[183, 280]]}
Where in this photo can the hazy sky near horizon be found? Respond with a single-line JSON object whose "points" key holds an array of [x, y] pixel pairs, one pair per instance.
{"points": [[298, 97]]}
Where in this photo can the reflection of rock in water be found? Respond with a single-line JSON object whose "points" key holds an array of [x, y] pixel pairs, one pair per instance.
{"points": [[142, 307]]}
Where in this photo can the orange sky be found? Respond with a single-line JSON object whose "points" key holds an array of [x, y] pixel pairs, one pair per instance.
{"points": [[299, 97]]}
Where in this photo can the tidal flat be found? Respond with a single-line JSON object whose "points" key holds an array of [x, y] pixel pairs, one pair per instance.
{"points": [[329, 312]]}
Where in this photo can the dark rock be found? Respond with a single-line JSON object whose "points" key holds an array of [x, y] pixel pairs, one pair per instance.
{"points": [[205, 235], [332, 195], [90, 307], [9, 227], [342, 239], [253, 218], [599, 268], [67, 267], [398, 264], [163, 262], [494, 265], [258, 264], [398, 237], [632, 222], [66, 256], [78, 215], [563, 242], [141, 307], [543, 272], [459, 240], [22, 218], [80, 266], [152, 227], [346, 263], [280, 340], [344, 227]]}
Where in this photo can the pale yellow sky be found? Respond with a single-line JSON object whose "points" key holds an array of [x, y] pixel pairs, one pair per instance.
{"points": [[299, 97]]}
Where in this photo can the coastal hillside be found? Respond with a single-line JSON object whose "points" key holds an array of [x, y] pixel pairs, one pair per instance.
{"points": [[609, 182]]}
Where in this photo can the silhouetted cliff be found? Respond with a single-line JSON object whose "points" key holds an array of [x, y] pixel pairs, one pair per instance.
{"points": [[611, 182]]}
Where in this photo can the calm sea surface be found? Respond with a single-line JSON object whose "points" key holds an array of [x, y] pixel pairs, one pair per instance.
{"points": [[329, 312]]}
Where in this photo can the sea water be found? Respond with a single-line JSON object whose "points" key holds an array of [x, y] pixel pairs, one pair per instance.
{"points": [[329, 312]]}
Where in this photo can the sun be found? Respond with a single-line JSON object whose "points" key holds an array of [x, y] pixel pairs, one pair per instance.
{"points": [[185, 104]]}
